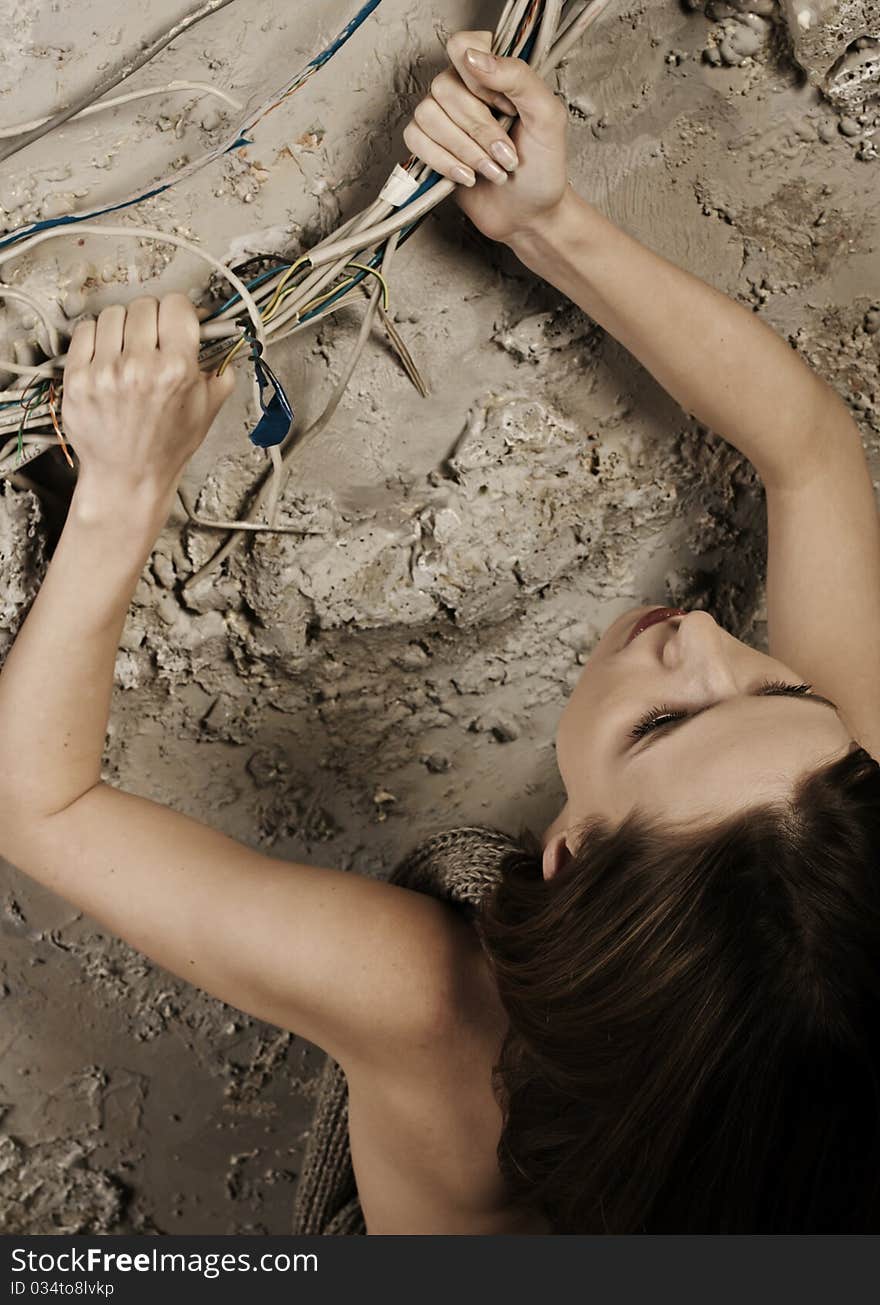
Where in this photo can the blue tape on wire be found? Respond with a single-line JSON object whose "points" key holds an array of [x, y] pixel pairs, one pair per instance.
{"points": [[277, 418]]}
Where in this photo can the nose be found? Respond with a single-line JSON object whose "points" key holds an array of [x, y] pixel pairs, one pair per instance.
{"points": [[698, 645]]}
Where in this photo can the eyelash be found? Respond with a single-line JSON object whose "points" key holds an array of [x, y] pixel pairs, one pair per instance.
{"points": [[658, 717]]}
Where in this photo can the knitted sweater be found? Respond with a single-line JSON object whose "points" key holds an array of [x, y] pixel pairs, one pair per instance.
{"points": [[458, 866]]}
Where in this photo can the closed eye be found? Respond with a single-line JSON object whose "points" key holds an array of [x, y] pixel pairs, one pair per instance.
{"points": [[663, 717]]}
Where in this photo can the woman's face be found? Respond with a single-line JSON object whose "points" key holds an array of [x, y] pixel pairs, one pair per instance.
{"points": [[679, 718]]}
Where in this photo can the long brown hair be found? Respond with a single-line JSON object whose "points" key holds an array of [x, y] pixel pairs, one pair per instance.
{"points": [[694, 1041]]}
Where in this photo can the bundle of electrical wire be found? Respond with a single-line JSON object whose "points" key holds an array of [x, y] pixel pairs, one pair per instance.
{"points": [[290, 297]]}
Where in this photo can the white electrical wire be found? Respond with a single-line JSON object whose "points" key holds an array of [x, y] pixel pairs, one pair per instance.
{"points": [[548, 49], [294, 441], [561, 25], [585, 19], [143, 233], [47, 369], [546, 32], [130, 64], [364, 231], [13, 292], [34, 446], [146, 233], [11, 421], [204, 87]]}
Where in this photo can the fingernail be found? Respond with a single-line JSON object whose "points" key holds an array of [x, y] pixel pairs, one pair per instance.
{"points": [[464, 176], [481, 59], [504, 153], [491, 170]]}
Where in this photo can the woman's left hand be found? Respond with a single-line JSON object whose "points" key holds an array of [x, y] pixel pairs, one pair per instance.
{"points": [[136, 406]]}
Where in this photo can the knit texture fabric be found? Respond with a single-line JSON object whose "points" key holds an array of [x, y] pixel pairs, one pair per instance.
{"points": [[459, 867]]}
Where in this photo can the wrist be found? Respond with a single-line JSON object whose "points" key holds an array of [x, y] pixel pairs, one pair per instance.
{"points": [[141, 508], [549, 233]]}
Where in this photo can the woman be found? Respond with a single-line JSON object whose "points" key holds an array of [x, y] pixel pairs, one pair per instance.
{"points": [[680, 992]]}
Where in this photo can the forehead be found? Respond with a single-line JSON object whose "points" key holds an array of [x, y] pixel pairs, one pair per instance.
{"points": [[743, 751]]}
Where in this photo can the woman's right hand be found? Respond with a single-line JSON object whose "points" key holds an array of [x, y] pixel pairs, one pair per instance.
{"points": [[508, 184]]}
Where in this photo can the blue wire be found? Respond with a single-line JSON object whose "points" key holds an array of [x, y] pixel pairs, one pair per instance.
{"points": [[527, 48], [251, 285], [70, 218], [318, 62], [430, 180], [362, 14]]}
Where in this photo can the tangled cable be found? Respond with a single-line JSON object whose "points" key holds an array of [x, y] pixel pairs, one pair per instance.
{"points": [[287, 298]]}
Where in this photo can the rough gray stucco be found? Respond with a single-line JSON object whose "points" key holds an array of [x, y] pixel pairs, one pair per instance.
{"points": [[402, 666]]}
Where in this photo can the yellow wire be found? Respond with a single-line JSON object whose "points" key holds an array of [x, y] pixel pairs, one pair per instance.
{"points": [[321, 299], [228, 357], [281, 294], [266, 312], [334, 290], [364, 267], [304, 258]]}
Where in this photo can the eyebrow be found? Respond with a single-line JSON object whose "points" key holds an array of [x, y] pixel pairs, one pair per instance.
{"points": [[657, 735]]}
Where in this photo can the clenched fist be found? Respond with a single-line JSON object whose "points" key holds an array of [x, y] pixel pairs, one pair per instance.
{"points": [[508, 182], [136, 406]]}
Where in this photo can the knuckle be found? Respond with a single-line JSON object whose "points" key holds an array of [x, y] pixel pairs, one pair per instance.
{"points": [[172, 370], [104, 380], [483, 129], [178, 302], [423, 112], [448, 90], [131, 374], [478, 147], [75, 385]]}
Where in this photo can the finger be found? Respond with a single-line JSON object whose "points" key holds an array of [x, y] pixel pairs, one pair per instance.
{"points": [[108, 333], [178, 326], [541, 111], [455, 48], [420, 144], [141, 333], [472, 117], [82, 344], [447, 135]]}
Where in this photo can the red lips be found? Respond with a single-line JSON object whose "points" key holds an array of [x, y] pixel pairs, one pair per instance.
{"points": [[652, 618]]}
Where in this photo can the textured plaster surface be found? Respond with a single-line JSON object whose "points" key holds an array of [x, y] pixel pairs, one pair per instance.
{"points": [[400, 667]]}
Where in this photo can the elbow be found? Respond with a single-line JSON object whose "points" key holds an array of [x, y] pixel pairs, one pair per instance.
{"points": [[23, 831]]}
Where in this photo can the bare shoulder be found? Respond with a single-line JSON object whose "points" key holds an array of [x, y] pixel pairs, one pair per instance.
{"points": [[424, 1131], [459, 1006]]}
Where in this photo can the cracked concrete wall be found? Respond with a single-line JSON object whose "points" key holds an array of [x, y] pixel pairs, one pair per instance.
{"points": [[401, 666]]}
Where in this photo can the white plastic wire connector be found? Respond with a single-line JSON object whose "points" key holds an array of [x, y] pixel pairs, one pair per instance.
{"points": [[399, 187]]}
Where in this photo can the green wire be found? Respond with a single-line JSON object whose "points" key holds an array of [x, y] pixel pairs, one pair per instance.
{"points": [[35, 399]]}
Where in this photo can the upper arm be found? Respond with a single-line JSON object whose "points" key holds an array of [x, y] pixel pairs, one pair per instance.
{"points": [[360, 967], [823, 576]]}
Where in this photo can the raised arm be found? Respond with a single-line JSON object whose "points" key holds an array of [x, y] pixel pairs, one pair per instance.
{"points": [[738, 377], [719, 361], [716, 358], [353, 964]]}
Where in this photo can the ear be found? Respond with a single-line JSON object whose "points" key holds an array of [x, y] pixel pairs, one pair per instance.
{"points": [[557, 853]]}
